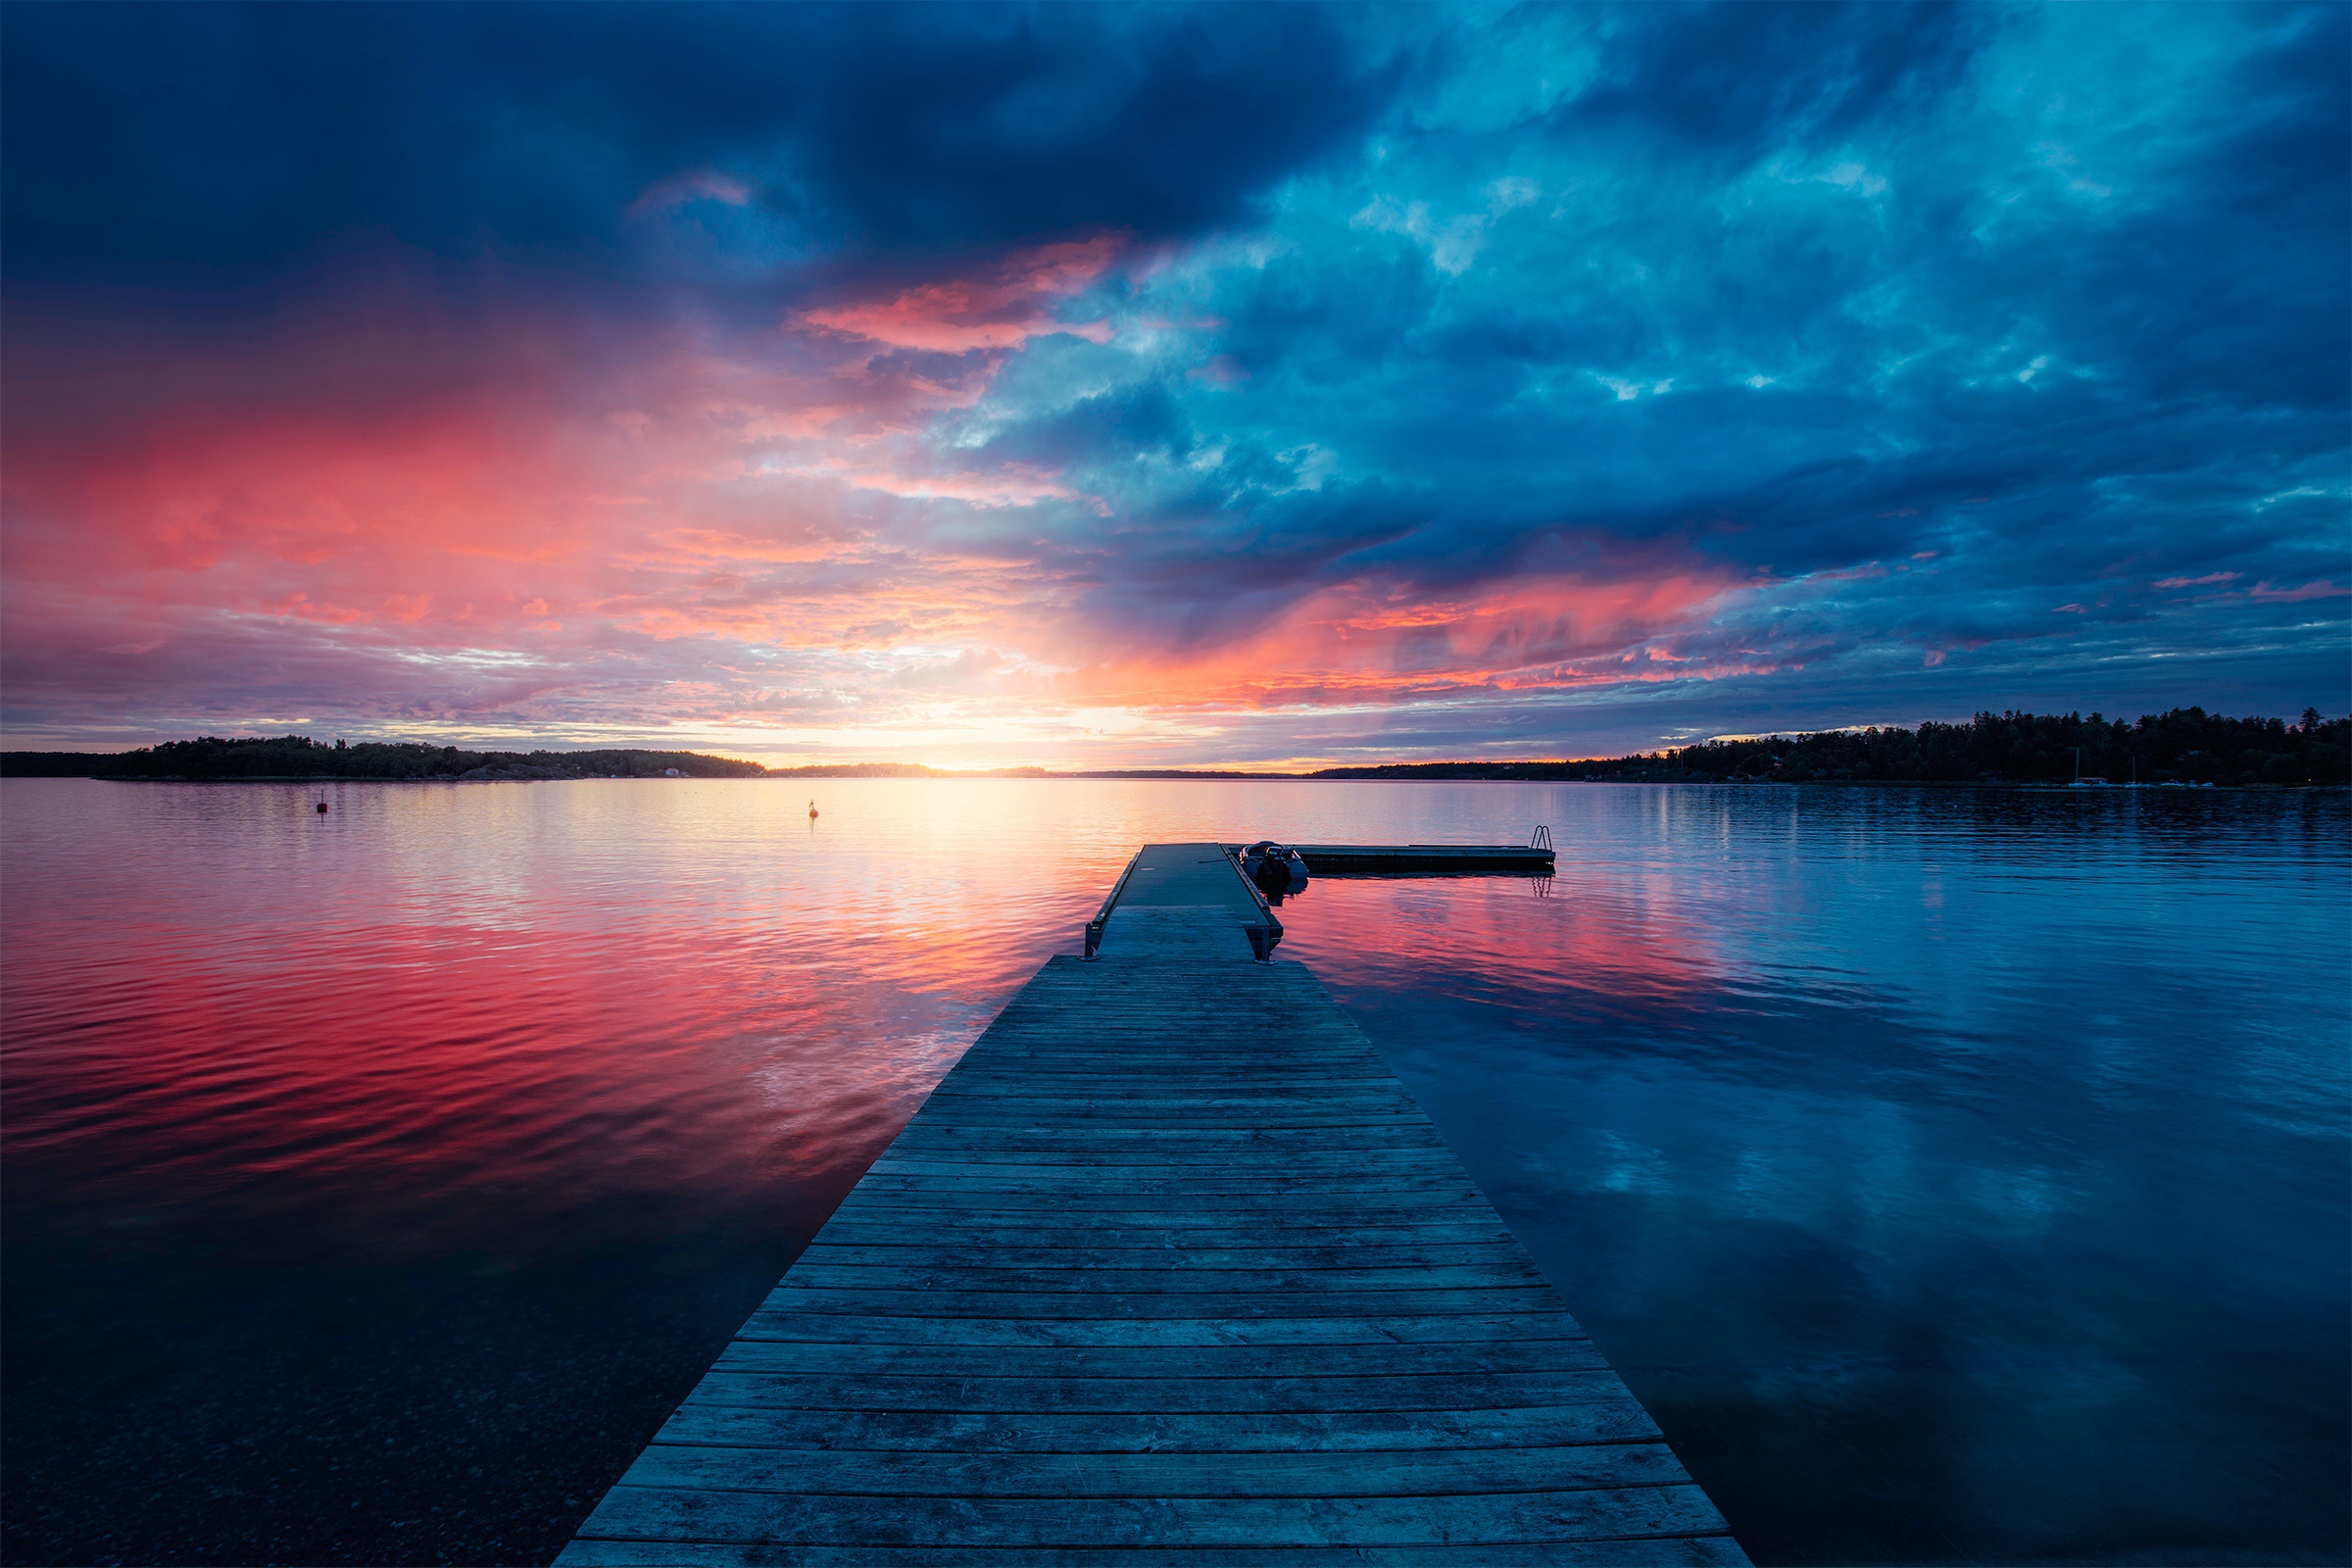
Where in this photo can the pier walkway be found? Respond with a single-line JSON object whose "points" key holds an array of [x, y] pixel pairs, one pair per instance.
{"points": [[1168, 1269]]}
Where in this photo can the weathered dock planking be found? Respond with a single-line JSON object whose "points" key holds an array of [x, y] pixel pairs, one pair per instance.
{"points": [[1170, 1266], [1177, 900]]}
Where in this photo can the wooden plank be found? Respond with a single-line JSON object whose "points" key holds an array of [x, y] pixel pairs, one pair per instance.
{"points": [[1321, 1154], [1661, 1551], [1268, 1128], [1294, 1119], [1178, 1067], [947, 1135], [1154, 1024], [1181, 1226], [1487, 1391], [1169, 1265], [1249, 1184], [842, 1328], [1199, 1170], [1304, 1301], [1175, 1247], [1170, 1232], [1618, 1419], [1434, 1472], [1607, 1513], [1206, 1107], [1238, 1196], [1256, 1361], [1174, 1241], [1186, 1136], [1065, 1066], [934, 1276], [1049, 1102], [944, 1251], [1333, 1092], [1291, 1115], [931, 1276]]}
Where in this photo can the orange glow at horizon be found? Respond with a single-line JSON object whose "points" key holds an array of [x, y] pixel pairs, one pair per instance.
{"points": [[762, 553]]}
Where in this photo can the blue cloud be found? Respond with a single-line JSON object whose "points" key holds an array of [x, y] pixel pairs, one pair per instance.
{"points": [[1728, 82], [2056, 301]]}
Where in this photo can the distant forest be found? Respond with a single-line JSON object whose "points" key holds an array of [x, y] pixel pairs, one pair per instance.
{"points": [[286, 756], [2185, 746]]}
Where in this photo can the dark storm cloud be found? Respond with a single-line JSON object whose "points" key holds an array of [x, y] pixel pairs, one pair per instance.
{"points": [[210, 144], [1727, 81]]}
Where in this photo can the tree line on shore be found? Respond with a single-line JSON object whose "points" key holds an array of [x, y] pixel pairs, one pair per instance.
{"points": [[2184, 744], [282, 757]]}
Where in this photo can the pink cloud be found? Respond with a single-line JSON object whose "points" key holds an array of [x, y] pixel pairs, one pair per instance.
{"points": [[1370, 642], [1002, 309], [2198, 582], [544, 524], [2291, 596]]}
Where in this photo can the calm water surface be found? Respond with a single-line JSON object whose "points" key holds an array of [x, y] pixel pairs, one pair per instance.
{"points": [[1958, 1176]]}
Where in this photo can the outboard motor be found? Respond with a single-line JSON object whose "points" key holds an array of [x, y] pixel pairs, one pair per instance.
{"points": [[1275, 868]]}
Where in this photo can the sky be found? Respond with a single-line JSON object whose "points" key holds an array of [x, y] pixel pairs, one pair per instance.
{"points": [[1166, 385]]}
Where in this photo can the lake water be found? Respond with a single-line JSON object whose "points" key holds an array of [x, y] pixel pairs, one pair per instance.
{"points": [[1958, 1176]]}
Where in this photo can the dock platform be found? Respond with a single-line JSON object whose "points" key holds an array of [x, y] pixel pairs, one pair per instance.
{"points": [[1168, 1269], [1424, 860]]}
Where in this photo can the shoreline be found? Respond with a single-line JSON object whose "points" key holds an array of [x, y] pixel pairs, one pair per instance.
{"points": [[2021, 786], [2182, 746]]}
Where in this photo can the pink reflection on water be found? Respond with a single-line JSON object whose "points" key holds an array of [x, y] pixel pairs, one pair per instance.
{"points": [[440, 1010], [539, 997]]}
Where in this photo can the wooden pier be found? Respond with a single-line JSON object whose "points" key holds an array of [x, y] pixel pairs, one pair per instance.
{"points": [[1168, 1269]]}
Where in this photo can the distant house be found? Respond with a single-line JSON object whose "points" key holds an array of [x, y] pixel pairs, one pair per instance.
{"points": [[671, 773]]}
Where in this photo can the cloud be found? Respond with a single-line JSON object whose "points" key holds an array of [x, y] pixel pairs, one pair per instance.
{"points": [[259, 137], [1728, 82], [691, 185], [1012, 302], [2296, 596], [1170, 385]]}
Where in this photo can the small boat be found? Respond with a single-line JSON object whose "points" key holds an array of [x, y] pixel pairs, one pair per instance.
{"points": [[1276, 869]]}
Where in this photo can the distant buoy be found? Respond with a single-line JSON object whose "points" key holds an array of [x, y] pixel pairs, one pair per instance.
{"points": [[321, 808], [811, 810]]}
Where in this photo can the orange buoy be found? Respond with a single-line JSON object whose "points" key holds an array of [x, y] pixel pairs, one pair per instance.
{"points": [[811, 810]]}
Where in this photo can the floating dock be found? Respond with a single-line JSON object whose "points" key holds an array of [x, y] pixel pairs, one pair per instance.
{"points": [[1168, 1269], [1423, 859]]}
